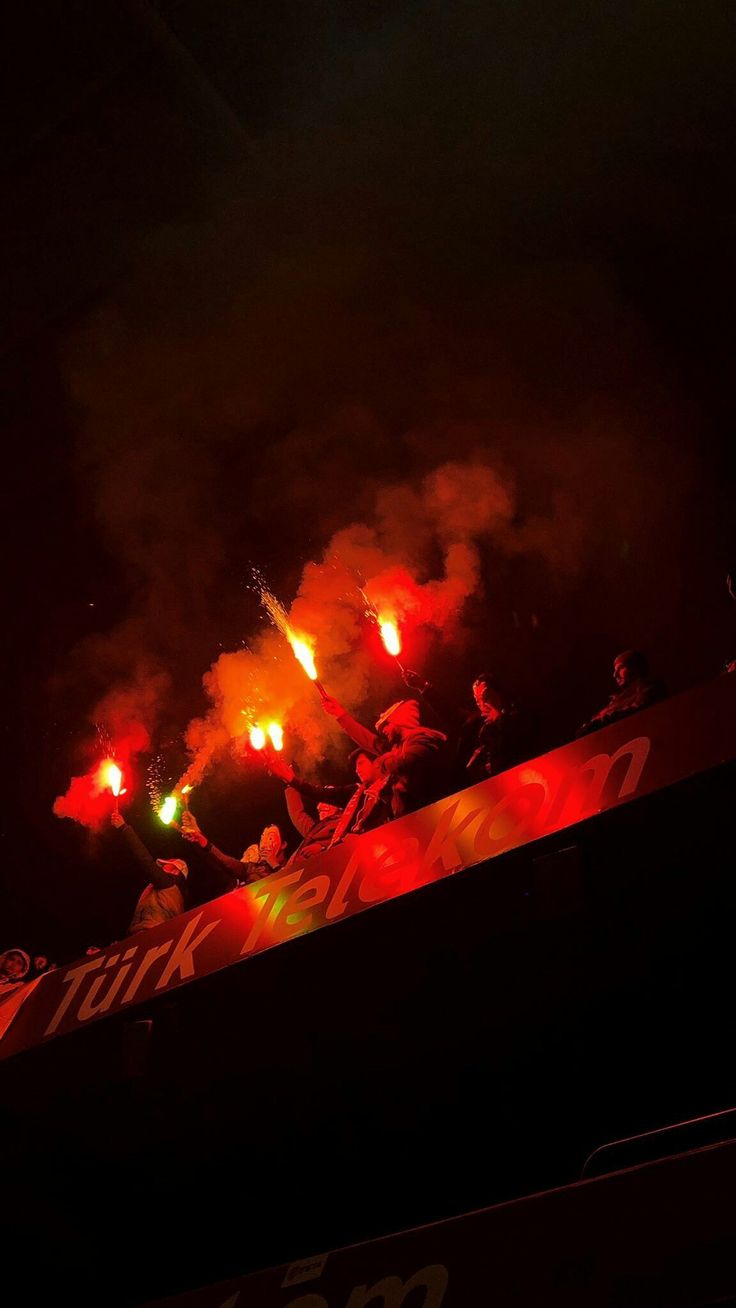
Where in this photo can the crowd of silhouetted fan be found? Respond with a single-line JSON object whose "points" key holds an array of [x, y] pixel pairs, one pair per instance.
{"points": [[417, 751]]}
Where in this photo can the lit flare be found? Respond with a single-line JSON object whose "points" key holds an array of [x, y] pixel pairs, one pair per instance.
{"points": [[304, 655], [167, 811], [276, 732], [112, 777], [257, 737], [390, 636], [302, 651]]}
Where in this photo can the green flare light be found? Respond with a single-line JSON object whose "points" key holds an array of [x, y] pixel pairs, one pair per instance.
{"points": [[167, 811]]}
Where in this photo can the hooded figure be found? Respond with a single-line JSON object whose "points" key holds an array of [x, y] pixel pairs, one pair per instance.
{"points": [[410, 757], [15, 965], [493, 739]]}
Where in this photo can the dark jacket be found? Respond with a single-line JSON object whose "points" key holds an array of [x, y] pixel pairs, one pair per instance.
{"points": [[165, 896], [628, 700], [417, 767], [317, 833], [486, 748], [233, 872], [362, 805]]}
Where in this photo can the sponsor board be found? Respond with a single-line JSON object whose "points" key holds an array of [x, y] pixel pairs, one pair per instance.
{"points": [[653, 749]]}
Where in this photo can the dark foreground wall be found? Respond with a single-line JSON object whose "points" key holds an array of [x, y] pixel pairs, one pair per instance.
{"points": [[664, 1233], [455, 1047]]}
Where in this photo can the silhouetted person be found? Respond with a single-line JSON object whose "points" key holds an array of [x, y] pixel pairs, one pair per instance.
{"points": [[636, 690], [411, 757], [165, 896], [15, 965], [495, 738], [257, 862], [317, 832], [41, 964], [356, 806]]}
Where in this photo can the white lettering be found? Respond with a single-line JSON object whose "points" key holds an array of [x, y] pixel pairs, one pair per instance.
{"points": [[393, 1291], [76, 976], [182, 960]]}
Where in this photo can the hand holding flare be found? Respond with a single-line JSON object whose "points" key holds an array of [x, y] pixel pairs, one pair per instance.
{"points": [[113, 777]]}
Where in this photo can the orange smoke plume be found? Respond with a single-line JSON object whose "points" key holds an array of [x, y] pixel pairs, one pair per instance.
{"points": [[383, 567]]}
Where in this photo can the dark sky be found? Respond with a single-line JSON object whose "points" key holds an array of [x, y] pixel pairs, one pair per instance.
{"points": [[260, 261]]}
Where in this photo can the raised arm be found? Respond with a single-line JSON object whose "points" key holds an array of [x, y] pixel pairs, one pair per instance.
{"points": [[150, 867], [296, 788], [355, 730], [300, 818], [337, 795], [218, 858]]}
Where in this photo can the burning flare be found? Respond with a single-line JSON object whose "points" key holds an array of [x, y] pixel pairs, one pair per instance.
{"points": [[276, 732], [111, 776], [305, 656], [390, 635], [257, 737], [167, 811], [277, 614]]}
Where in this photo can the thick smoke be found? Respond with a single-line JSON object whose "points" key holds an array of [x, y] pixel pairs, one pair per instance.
{"points": [[367, 570], [275, 382], [89, 798]]}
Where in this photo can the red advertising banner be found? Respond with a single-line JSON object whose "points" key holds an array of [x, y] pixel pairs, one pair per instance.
{"points": [[659, 747]]}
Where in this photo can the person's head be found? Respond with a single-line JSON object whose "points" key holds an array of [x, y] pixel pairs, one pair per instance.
{"points": [[40, 963], [175, 867], [325, 811], [629, 667], [271, 844], [365, 765], [14, 964], [401, 718], [488, 698]]}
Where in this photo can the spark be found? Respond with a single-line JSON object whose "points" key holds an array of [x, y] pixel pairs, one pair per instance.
{"points": [[277, 613]]}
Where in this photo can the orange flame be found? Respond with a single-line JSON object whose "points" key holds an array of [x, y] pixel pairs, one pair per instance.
{"points": [[277, 614], [276, 732], [305, 656], [111, 776], [390, 635], [257, 737]]}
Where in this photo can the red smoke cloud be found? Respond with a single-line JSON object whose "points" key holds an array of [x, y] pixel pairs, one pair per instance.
{"points": [[89, 799], [449, 515]]}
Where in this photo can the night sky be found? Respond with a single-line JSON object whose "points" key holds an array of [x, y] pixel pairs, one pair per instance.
{"points": [[262, 261]]}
